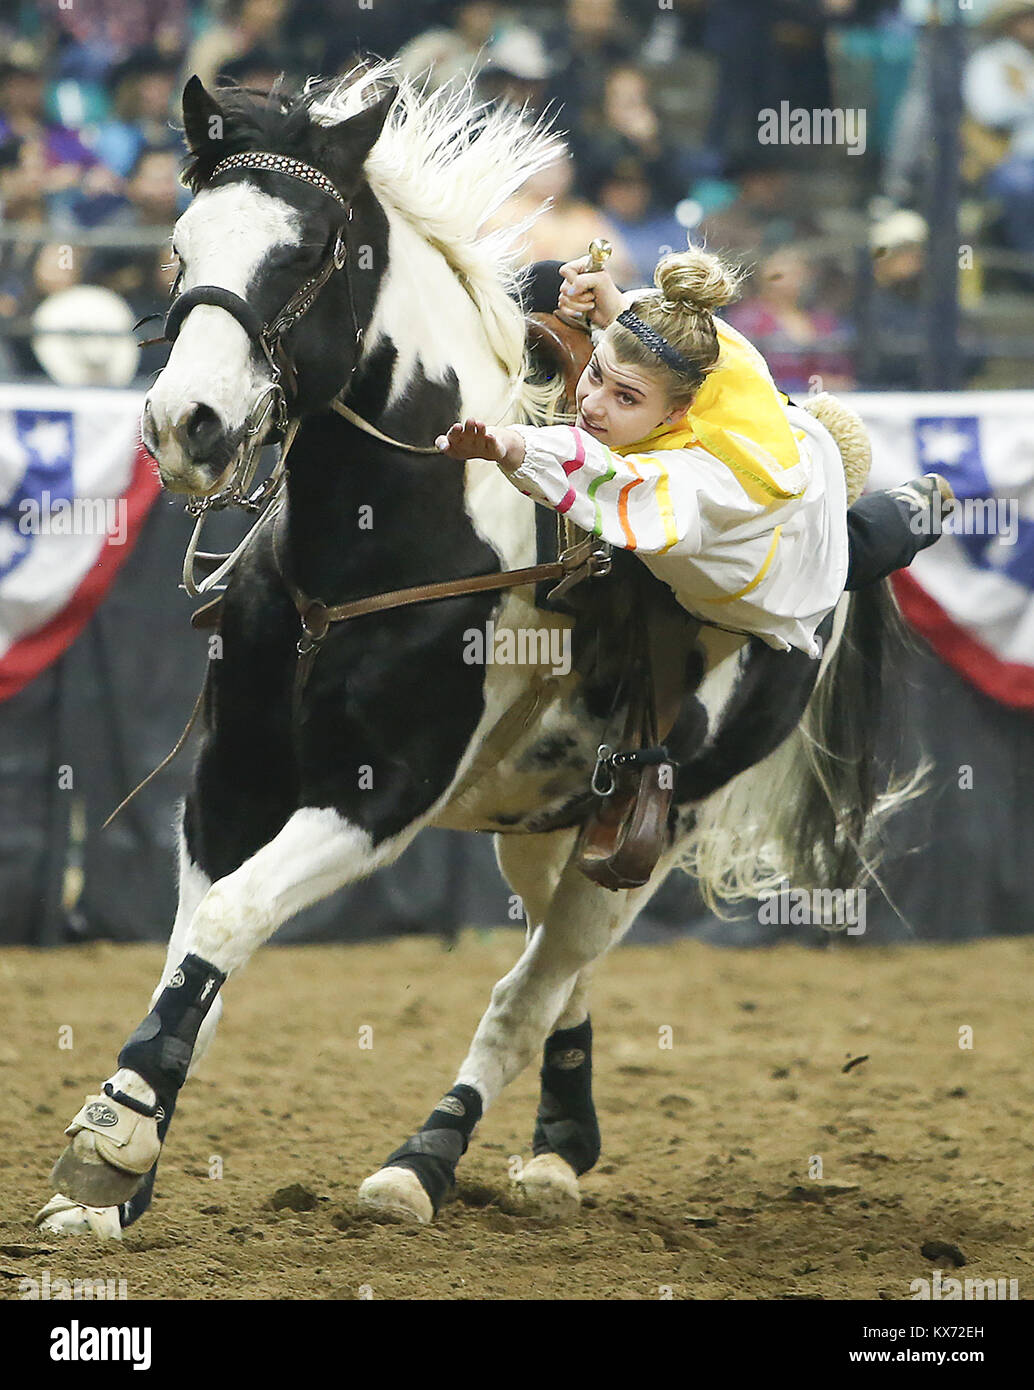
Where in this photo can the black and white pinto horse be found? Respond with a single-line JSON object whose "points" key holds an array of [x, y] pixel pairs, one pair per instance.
{"points": [[396, 730]]}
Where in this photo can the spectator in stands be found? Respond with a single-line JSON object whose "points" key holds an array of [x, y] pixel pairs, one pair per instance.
{"points": [[625, 125], [593, 36], [515, 68], [911, 134], [143, 275], [103, 32], [28, 274], [768, 51], [893, 339], [766, 211], [891, 336], [330, 34], [565, 230], [805, 347], [153, 200], [455, 48], [648, 229], [258, 70], [144, 91], [41, 160], [999, 94], [247, 24]]}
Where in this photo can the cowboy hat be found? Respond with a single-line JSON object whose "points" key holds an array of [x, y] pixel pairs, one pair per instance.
{"points": [[901, 228], [83, 336], [519, 52]]}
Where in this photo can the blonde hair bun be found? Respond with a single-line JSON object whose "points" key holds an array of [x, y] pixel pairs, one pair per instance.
{"points": [[697, 280]]}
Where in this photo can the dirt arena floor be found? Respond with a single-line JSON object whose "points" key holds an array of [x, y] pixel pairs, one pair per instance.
{"points": [[703, 1190]]}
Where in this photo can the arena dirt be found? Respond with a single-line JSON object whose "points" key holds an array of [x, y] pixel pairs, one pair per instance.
{"points": [[704, 1186]]}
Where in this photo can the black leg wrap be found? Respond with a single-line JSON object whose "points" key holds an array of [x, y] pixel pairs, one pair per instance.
{"points": [[566, 1121], [161, 1047], [132, 1210], [433, 1152]]}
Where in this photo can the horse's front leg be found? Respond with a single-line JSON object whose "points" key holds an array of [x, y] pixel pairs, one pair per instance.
{"points": [[116, 1137], [580, 922], [63, 1216]]}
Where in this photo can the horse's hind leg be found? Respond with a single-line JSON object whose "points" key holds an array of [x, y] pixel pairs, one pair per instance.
{"points": [[580, 923], [566, 1139]]}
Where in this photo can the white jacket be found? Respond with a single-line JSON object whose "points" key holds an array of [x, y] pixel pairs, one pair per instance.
{"points": [[774, 569]]}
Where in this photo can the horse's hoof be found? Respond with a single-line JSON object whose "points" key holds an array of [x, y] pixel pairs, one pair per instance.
{"points": [[63, 1217], [89, 1178], [395, 1194], [112, 1149], [547, 1186]]}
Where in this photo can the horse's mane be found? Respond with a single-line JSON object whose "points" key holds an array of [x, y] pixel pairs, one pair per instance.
{"points": [[444, 162]]}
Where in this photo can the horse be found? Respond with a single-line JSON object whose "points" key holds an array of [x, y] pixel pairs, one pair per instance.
{"points": [[358, 202]]}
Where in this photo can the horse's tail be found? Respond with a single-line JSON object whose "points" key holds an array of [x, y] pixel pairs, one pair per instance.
{"points": [[812, 813]]}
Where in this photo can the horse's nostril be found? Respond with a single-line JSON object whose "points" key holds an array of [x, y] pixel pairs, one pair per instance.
{"points": [[201, 431]]}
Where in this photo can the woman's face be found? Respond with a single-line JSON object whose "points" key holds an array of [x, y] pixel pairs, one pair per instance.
{"points": [[619, 403]]}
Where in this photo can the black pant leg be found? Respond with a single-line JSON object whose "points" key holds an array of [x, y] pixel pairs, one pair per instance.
{"points": [[880, 538]]}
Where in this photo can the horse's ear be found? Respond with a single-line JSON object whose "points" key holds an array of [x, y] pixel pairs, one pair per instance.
{"points": [[203, 118], [361, 132]]}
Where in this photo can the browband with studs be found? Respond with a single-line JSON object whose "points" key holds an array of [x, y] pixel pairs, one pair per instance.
{"points": [[279, 164]]}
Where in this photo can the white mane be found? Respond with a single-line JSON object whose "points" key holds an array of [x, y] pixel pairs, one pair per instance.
{"points": [[446, 162]]}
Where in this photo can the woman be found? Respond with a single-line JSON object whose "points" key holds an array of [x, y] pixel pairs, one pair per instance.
{"points": [[684, 451], [800, 344]]}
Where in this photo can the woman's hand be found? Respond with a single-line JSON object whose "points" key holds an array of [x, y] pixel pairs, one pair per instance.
{"points": [[472, 439], [590, 292]]}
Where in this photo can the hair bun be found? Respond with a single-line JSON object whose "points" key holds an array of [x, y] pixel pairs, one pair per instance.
{"points": [[697, 280]]}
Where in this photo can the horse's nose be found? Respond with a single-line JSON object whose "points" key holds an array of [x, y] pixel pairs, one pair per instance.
{"points": [[199, 431], [149, 430]]}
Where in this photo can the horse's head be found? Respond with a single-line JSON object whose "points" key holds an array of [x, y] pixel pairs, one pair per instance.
{"points": [[264, 320]]}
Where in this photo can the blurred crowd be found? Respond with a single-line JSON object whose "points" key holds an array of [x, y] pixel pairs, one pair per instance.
{"points": [[660, 100]]}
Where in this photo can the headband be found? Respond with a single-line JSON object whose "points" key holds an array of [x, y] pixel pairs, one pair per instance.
{"points": [[653, 340]]}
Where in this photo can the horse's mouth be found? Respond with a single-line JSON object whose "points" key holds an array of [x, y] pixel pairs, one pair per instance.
{"points": [[195, 479]]}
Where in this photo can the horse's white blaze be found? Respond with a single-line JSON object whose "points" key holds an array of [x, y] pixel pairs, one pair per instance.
{"points": [[223, 238]]}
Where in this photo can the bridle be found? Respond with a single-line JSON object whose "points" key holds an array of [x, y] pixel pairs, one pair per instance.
{"points": [[277, 397]]}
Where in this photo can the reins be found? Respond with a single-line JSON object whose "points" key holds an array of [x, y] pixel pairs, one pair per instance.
{"points": [[587, 559]]}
